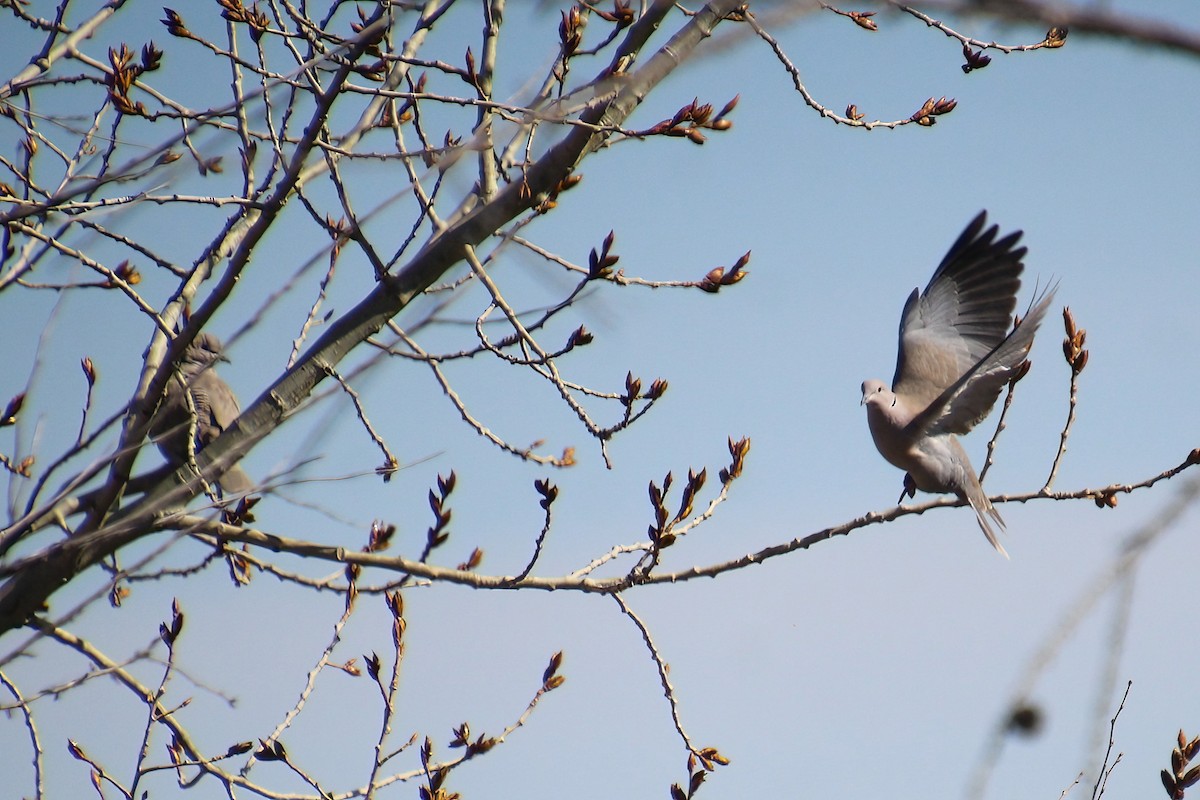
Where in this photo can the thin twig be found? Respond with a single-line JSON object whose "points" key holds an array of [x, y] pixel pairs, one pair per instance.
{"points": [[808, 97], [1000, 426], [1105, 769], [550, 371], [309, 685], [390, 462], [661, 665], [1066, 431], [35, 742], [525, 453], [968, 40]]}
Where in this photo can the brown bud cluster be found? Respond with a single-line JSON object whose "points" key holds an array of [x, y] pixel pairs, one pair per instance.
{"points": [[240, 571], [570, 31], [124, 75], [271, 751], [239, 748], [378, 36], [622, 14], [1182, 776], [395, 604], [659, 533], [1073, 350], [690, 119], [975, 59], [127, 273], [380, 537], [579, 337], [860, 18], [695, 483], [863, 19], [550, 200], [664, 521], [242, 513], [210, 165], [633, 390], [404, 112], [373, 665], [1020, 372], [473, 561], [438, 533], [1055, 37], [567, 459], [548, 491], [706, 759], [931, 109], [719, 276], [600, 264], [9, 417], [175, 26], [471, 76], [376, 71], [256, 20], [462, 738], [169, 632], [739, 450]]}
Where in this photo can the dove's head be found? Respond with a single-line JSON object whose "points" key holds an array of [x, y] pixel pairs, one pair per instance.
{"points": [[204, 350], [876, 392]]}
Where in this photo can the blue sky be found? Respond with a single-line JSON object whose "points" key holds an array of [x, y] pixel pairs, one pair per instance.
{"points": [[876, 663]]}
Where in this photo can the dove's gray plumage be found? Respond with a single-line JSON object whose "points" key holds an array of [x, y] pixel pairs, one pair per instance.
{"points": [[215, 406], [956, 353]]}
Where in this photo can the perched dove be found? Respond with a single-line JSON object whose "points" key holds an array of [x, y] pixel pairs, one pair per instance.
{"points": [[215, 406], [956, 354]]}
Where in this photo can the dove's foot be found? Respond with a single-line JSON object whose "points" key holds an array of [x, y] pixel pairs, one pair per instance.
{"points": [[910, 488]]}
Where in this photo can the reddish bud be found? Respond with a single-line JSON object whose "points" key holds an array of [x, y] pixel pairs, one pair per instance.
{"points": [[1055, 37]]}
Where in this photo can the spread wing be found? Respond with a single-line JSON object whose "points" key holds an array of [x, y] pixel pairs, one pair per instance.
{"points": [[956, 333], [969, 399]]}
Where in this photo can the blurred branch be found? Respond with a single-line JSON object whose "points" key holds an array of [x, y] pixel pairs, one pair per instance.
{"points": [[1114, 575]]}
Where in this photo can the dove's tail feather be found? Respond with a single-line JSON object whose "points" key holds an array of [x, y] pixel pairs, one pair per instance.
{"points": [[983, 509], [986, 527]]}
